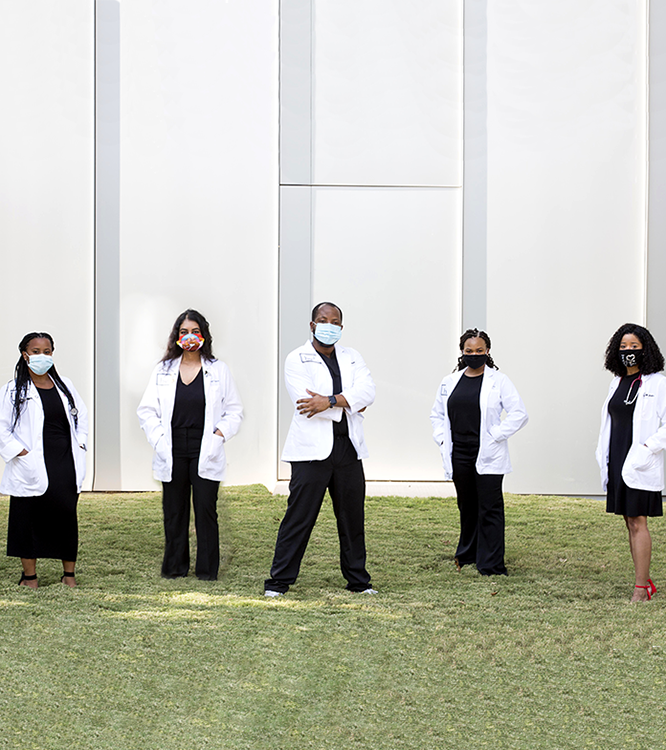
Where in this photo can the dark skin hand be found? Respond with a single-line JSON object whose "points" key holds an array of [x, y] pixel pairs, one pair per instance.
{"points": [[318, 403]]}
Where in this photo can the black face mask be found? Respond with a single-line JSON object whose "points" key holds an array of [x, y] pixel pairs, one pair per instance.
{"points": [[474, 361], [631, 357]]}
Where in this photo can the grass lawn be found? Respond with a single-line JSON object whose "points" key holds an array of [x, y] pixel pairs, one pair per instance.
{"points": [[553, 656]]}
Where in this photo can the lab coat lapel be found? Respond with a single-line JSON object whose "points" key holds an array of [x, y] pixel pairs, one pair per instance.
{"points": [[322, 381], [486, 386], [345, 363], [168, 388], [36, 413]]}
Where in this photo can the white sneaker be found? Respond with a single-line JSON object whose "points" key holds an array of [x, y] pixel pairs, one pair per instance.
{"points": [[269, 592], [369, 591]]}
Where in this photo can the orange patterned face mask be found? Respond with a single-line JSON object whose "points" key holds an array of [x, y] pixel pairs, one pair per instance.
{"points": [[190, 342]]}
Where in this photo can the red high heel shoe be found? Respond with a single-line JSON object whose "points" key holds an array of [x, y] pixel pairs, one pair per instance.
{"points": [[653, 588], [648, 588]]}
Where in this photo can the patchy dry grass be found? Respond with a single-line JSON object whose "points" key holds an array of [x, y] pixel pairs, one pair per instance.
{"points": [[551, 657]]}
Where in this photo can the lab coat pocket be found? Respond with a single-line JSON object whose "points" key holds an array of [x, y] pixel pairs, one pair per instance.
{"points": [[643, 470], [642, 458], [25, 473], [161, 460], [495, 448], [80, 462], [217, 456], [495, 432], [161, 448]]}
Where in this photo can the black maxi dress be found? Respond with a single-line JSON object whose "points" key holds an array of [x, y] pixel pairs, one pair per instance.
{"points": [[46, 525], [620, 499]]}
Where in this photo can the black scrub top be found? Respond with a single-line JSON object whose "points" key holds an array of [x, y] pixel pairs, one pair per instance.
{"points": [[465, 412], [341, 428]]}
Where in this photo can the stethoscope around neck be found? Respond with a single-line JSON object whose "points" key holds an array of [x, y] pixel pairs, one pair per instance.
{"points": [[628, 400]]}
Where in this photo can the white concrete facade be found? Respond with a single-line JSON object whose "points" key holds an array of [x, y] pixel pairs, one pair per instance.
{"points": [[426, 164]]}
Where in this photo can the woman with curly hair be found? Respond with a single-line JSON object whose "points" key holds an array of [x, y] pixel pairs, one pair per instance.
{"points": [[472, 437], [190, 409], [43, 432], [631, 440]]}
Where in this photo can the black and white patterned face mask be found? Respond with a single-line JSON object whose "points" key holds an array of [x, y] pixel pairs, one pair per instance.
{"points": [[631, 357]]}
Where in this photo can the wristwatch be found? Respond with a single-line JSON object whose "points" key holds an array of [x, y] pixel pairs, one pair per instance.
{"points": [[333, 401]]}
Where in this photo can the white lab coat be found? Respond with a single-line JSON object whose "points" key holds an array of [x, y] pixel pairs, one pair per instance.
{"points": [[498, 394], [25, 476], [643, 469], [224, 412], [311, 439]]}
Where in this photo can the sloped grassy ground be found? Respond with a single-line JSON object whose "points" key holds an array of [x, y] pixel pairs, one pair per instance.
{"points": [[553, 656]]}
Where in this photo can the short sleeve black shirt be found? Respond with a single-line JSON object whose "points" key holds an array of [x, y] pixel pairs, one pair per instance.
{"points": [[465, 412]]}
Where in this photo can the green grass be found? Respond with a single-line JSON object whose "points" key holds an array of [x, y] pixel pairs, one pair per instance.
{"points": [[551, 657]]}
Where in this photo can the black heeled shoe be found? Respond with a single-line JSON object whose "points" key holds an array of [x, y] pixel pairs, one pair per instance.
{"points": [[67, 575], [24, 577]]}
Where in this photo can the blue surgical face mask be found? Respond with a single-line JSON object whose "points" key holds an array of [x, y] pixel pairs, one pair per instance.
{"points": [[40, 364], [327, 333]]}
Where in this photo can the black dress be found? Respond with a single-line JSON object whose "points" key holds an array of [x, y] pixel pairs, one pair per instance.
{"points": [[47, 526], [620, 499]]}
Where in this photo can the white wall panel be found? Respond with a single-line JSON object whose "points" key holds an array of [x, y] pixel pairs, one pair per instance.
{"points": [[199, 188], [46, 182], [391, 259], [565, 259], [656, 303], [387, 88], [566, 217]]}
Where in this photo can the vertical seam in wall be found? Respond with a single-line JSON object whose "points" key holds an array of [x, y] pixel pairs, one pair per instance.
{"points": [[646, 158], [94, 350], [311, 165], [474, 233], [279, 251], [107, 472], [461, 280]]}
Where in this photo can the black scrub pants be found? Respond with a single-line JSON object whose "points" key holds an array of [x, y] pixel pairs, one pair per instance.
{"points": [[481, 506], [185, 480], [342, 474]]}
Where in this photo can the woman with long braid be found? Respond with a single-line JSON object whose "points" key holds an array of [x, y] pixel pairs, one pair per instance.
{"points": [[43, 432], [472, 437]]}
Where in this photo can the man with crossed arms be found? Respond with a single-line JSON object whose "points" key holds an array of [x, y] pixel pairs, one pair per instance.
{"points": [[330, 386]]}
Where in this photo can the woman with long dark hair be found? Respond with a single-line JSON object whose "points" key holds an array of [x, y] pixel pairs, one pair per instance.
{"points": [[43, 433], [472, 437], [631, 441], [190, 409]]}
